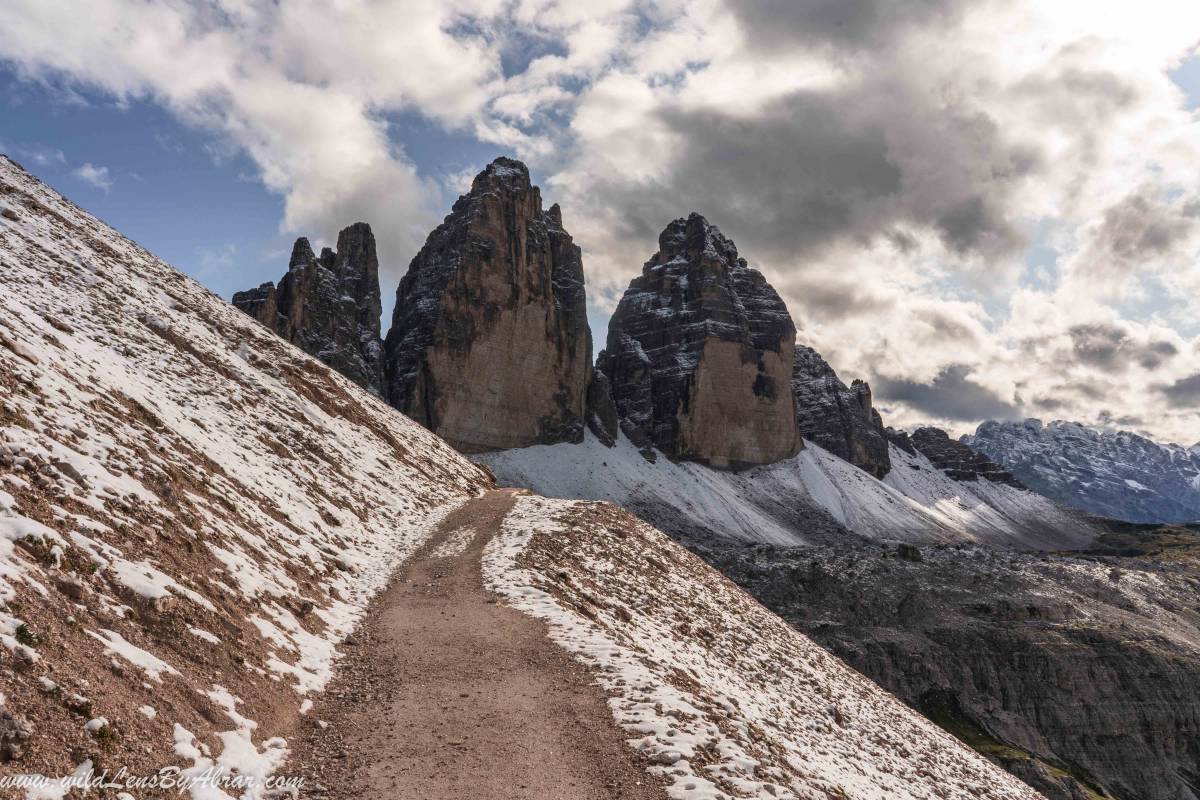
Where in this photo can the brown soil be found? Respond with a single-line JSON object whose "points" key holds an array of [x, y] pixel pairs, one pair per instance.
{"points": [[445, 693]]}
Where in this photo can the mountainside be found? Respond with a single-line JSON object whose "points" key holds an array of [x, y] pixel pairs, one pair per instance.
{"points": [[489, 345], [328, 306], [720, 696], [699, 354], [192, 511], [195, 514], [839, 418], [813, 497], [1118, 475], [1077, 674]]}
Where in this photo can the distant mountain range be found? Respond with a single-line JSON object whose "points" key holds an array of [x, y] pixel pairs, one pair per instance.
{"points": [[1113, 474]]}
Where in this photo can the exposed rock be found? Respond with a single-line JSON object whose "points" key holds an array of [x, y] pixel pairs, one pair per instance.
{"points": [[1113, 474], [699, 354], [15, 731], [602, 417], [901, 439], [958, 460], [839, 418], [329, 305], [1077, 683], [489, 345]]}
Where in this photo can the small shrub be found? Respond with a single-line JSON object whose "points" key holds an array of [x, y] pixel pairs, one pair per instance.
{"points": [[26, 636]]}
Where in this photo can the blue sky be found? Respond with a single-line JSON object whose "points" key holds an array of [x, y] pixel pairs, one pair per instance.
{"points": [[183, 193], [198, 204], [1018, 208]]}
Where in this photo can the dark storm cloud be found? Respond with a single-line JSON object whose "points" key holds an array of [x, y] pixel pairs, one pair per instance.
{"points": [[1050, 404], [834, 300], [1108, 418], [1112, 349], [852, 23], [815, 168], [1183, 393], [951, 395], [945, 327], [798, 174], [1141, 229]]}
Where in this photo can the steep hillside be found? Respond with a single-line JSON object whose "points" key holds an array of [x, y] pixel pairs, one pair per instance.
{"points": [[195, 515], [719, 695], [1077, 673], [1113, 474], [813, 497], [192, 512]]}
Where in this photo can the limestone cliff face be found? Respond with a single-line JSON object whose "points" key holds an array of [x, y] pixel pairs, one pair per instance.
{"points": [[699, 354], [1078, 674], [489, 345], [837, 417], [958, 460], [328, 305]]}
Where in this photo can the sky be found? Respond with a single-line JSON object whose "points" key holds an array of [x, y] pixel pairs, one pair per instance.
{"points": [[989, 209]]}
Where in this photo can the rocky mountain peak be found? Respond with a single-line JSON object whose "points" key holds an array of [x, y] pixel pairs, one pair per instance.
{"points": [[502, 175], [840, 419], [696, 239], [960, 462], [1116, 474], [302, 254], [699, 354], [489, 345], [329, 306]]}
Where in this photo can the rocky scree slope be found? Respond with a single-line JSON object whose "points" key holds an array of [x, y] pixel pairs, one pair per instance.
{"points": [[489, 345], [193, 513], [720, 696], [812, 498], [1112, 474], [1076, 673], [699, 354], [839, 418], [329, 305]]}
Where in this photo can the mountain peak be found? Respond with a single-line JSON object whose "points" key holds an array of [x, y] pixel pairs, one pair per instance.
{"points": [[1114, 474], [503, 173]]}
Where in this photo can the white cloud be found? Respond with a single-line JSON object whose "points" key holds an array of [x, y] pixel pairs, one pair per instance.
{"points": [[92, 175], [887, 165]]}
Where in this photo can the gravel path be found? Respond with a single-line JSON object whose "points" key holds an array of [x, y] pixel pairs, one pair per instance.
{"points": [[447, 694]]}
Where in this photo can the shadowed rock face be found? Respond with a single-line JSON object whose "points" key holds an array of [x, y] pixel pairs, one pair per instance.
{"points": [[839, 418], [489, 345], [957, 460], [328, 305], [1077, 674], [699, 354]]}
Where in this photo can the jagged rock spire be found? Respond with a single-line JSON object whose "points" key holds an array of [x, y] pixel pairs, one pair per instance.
{"points": [[328, 306], [840, 419], [699, 354], [489, 345]]}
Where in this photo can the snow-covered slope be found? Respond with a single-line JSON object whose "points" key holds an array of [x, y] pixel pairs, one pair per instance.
{"points": [[1113, 474], [812, 498], [193, 513], [721, 696]]}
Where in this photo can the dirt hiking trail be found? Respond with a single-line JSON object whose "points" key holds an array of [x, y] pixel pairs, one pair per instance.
{"points": [[445, 694]]}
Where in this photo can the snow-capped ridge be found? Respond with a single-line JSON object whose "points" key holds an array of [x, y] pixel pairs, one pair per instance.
{"points": [[813, 497], [1116, 474]]}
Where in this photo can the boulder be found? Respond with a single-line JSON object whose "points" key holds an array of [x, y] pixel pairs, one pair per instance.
{"points": [[489, 345]]}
